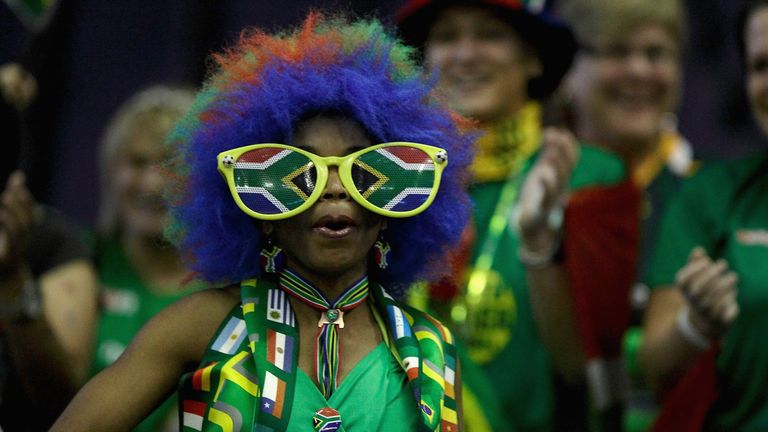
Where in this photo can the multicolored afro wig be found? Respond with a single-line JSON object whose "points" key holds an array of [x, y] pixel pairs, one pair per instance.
{"points": [[259, 91]]}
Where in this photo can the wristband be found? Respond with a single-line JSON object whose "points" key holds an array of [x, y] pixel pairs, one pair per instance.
{"points": [[538, 260], [690, 333]]}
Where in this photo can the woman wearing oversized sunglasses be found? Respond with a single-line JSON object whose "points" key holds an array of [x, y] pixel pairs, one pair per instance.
{"points": [[317, 178]]}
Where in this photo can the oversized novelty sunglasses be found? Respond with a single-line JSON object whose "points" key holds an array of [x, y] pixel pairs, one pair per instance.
{"points": [[277, 181]]}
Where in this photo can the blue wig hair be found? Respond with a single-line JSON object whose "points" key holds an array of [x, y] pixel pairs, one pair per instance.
{"points": [[259, 91]]}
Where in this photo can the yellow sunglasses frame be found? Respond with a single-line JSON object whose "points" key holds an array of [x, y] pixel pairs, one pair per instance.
{"points": [[225, 161]]}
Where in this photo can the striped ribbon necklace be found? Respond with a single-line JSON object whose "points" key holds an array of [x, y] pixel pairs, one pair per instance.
{"points": [[331, 316]]}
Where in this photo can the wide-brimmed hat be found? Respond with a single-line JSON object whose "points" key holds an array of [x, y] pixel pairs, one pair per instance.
{"points": [[552, 39]]}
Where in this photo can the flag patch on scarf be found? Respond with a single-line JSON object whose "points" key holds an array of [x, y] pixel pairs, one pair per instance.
{"points": [[272, 395], [230, 338], [279, 307], [193, 414], [280, 349], [450, 376], [400, 326], [411, 366], [249, 305], [201, 379]]}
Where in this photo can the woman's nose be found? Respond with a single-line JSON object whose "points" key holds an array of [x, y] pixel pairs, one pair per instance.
{"points": [[334, 190], [465, 49]]}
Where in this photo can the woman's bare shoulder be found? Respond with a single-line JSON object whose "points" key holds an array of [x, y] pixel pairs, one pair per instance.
{"points": [[189, 324], [209, 305], [211, 301]]}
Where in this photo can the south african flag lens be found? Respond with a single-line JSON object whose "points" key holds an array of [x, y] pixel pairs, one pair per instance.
{"points": [[274, 180], [395, 178]]}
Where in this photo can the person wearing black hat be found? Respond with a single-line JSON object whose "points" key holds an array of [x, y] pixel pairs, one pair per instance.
{"points": [[496, 62]]}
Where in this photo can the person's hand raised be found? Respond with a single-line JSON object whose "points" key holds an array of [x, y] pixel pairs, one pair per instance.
{"points": [[710, 289], [543, 192]]}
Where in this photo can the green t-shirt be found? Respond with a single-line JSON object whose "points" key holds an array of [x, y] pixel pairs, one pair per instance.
{"points": [[503, 338], [126, 305], [657, 196], [725, 210]]}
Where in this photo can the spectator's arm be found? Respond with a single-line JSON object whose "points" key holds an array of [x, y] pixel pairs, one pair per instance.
{"points": [[542, 194]]}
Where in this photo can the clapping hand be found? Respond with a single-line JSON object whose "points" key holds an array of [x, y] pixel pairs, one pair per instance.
{"points": [[710, 289], [543, 192]]}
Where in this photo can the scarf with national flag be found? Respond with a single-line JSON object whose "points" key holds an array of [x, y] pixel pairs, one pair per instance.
{"points": [[601, 241], [685, 406], [246, 380]]}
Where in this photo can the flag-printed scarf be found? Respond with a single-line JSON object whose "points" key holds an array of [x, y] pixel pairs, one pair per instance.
{"points": [[686, 405], [246, 380], [601, 251]]}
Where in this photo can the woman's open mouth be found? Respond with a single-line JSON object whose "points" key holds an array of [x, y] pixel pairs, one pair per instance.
{"points": [[334, 226]]}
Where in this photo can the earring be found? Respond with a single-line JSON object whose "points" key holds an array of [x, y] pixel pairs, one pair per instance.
{"points": [[271, 257], [381, 250]]}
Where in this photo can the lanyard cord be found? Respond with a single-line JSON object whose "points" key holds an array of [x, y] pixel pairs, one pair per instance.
{"points": [[478, 278]]}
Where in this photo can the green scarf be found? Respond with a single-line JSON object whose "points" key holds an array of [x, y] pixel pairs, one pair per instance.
{"points": [[247, 378]]}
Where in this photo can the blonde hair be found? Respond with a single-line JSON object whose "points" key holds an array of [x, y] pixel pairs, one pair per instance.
{"points": [[607, 20], [155, 109]]}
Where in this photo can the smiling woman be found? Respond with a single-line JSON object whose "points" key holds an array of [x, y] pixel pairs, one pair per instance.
{"points": [[622, 93], [321, 155], [626, 78], [496, 61]]}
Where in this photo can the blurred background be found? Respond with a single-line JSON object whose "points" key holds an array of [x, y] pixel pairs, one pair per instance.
{"points": [[90, 55]]}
